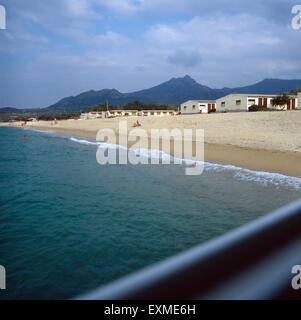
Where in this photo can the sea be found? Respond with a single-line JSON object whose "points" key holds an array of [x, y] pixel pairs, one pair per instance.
{"points": [[69, 224]]}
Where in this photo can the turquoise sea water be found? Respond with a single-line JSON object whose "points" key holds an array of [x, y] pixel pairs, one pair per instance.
{"points": [[68, 224]]}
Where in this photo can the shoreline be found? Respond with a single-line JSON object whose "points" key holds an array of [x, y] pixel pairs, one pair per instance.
{"points": [[287, 163]]}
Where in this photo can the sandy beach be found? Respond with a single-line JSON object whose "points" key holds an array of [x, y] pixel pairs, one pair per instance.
{"points": [[262, 141]]}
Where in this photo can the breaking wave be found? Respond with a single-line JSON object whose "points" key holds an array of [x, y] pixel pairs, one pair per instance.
{"points": [[262, 177]]}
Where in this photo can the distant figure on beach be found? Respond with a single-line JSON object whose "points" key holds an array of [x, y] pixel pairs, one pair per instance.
{"points": [[24, 138], [137, 124]]}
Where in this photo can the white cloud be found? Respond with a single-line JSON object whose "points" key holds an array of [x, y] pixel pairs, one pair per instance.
{"points": [[277, 11], [108, 37], [78, 8], [187, 58], [122, 6], [55, 13], [215, 37]]}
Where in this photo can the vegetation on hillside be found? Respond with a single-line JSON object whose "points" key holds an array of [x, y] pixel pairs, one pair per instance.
{"points": [[135, 105], [60, 116]]}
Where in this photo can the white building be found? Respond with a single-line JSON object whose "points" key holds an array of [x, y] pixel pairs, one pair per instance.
{"points": [[242, 102], [299, 100], [156, 113], [198, 106], [130, 112], [92, 115], [122, 113]]}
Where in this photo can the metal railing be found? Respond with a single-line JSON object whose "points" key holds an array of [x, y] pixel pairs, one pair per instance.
{"points": [[251, 262]]}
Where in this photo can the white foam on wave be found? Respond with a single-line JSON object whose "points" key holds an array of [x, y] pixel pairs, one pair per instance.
{"points": [[99, 144], [83, 141], [261, 177], [148, 153], [154, 154], [37, 130]]}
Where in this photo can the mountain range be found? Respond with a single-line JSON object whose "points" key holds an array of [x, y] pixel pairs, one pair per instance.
{"points": [[174, 91]]}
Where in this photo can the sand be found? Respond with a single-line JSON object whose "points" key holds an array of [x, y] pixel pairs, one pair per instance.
{"points": [[262, 141]]}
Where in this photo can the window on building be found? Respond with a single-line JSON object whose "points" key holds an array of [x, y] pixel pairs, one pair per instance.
{"points": [[193, 107], [185, 107], [223, 103], [238, 102]]}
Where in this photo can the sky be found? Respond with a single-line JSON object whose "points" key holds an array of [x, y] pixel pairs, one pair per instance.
{"points": [[58, 48]]}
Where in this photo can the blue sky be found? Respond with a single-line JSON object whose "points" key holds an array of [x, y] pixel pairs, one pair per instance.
{"points": [[53, 49]]}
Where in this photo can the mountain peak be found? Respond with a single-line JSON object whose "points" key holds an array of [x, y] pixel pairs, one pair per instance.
{"points": [[186, 79]]}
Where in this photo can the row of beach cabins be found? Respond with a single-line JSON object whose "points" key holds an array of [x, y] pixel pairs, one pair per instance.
{"points": [[229, 103], [124, 113]]}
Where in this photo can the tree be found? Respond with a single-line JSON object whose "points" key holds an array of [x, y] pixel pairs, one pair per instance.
{"points": [[280, 101], [134, 105], [100, 107], [295, 91]]}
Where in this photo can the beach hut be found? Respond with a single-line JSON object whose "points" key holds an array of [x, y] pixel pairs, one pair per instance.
{"points": [[91, 115], [198, 106], [130, 112], [156, 113]]}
